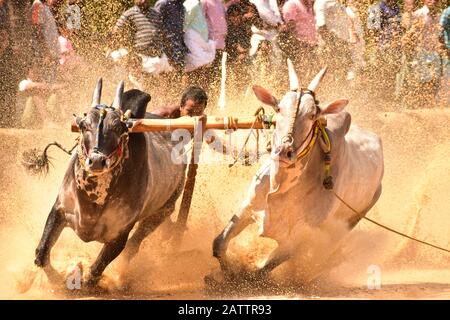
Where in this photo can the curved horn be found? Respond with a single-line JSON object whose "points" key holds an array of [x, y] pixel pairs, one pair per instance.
{"points": [[126, 115], [119, 94], [316, 81], [97, 93], [293, 79]]}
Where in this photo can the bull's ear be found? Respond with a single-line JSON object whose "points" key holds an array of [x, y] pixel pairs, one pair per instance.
{"points": [[266, 97], [334, 107], [79, 121]]}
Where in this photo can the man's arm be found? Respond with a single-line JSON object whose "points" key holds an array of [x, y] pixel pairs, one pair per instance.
{"points": [[50, 31], [169, 112], [118, 33]]}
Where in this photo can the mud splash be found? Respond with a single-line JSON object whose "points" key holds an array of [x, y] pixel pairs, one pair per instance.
{"points": [[414, 200]]}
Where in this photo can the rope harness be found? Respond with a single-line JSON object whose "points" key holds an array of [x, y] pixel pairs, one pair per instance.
{"points": [[268, 124], [318, 128]]}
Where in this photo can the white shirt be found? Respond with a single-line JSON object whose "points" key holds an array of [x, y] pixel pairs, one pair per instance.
{"points": [[332, 14], [268, 11]]}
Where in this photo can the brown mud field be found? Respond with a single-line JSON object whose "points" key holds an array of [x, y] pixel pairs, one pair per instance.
{"points": [[415, 200]]}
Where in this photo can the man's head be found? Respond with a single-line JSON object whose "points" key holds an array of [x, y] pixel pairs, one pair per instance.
{"points": [[235, 13], [193, 102], [52, 3], [391, 2], [431, 4], [142, 3]]}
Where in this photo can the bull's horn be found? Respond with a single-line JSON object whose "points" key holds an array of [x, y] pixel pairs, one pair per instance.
{"points": [[316, 81], [97, 93], [293, 79], [126, 115], [117, 103]]}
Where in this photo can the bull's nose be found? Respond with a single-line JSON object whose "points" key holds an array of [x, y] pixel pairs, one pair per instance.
{"points": [[287, 151], [96, 162]]}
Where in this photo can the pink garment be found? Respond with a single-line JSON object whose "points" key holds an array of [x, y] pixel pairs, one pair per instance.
{"points": [[215, 17], [65, 47], [303, 16]]}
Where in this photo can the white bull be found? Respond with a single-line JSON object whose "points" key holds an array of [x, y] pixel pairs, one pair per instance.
{"points": [[289, 190]]}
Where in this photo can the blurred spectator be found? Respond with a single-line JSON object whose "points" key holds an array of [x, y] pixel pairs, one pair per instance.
{"points": [[202, 51], [357, 42], [42, 109], [172, 15], [386, 27], [7, 97], [444, 94], [144, 56], [15, 55], [445, 33], [421, 73], [299, 35], [142, 23], [408, 9], [268, 11], [333, 26], [72, 16], [44, 40], [215, 14], [238, 46], [384, 20], [268, 61]]}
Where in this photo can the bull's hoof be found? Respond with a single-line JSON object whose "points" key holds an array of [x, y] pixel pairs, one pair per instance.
{"points": [[80, 282], [40, 260], [216, 282]]}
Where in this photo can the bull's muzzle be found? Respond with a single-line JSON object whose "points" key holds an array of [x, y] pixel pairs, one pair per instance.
{"points": [[96, 162]]}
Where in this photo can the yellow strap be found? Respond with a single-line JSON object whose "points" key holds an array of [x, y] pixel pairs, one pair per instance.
{"points": [[310, 145], [325, 137], [319, 127]]}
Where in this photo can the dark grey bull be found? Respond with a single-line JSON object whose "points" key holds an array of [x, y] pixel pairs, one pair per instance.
{"points": [[113, 182]]}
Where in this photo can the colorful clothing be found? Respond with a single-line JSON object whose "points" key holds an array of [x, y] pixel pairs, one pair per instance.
{"points": [[332, 15], [145, 25], [268, 11], [215, 14], [172, 23], [445, 23], [303, 16], [201, 50]]}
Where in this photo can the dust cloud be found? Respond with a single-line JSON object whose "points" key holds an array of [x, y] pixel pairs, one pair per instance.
{"points": [[416, 188]]}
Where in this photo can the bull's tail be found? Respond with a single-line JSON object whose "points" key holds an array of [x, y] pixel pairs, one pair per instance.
{"points": [[38, 163]]}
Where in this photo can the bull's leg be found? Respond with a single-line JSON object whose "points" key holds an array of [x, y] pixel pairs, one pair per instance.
{"points": [[54, 225], [236, 225], [281, 254], [109, 252], [353, 221], [145, 227]]}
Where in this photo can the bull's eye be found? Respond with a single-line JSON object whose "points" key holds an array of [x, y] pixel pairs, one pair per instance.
{"points": [[311, 117]]}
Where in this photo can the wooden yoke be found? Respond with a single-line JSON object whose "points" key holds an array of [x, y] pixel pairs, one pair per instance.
{"points": [[188, 123]]}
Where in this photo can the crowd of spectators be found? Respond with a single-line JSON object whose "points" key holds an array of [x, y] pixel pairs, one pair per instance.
{"points": [[398, 50]]}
